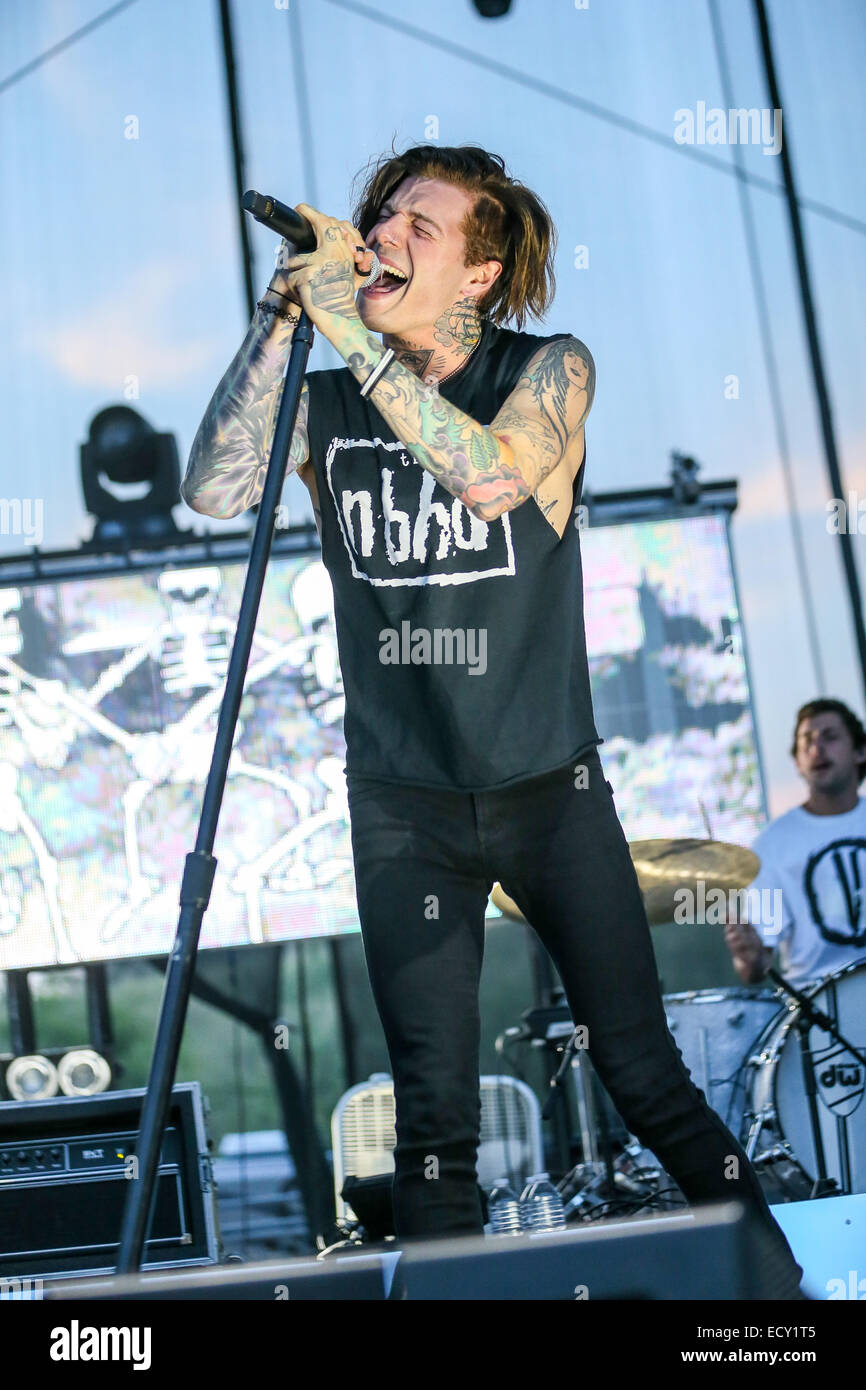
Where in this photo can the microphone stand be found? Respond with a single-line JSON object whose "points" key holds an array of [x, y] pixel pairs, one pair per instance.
{"points": [[557, 1080], [809, 1016], [592, 1182], [200, 866]]}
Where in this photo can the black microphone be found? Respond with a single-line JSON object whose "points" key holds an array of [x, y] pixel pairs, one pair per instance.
{"points": [[280, 219]]}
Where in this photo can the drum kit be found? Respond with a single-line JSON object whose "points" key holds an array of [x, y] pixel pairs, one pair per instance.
{"points": [[777, 1064]]}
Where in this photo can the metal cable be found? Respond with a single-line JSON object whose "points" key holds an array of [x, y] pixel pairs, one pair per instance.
{"points": [[590, 108], [63, 44], [773, 383]]}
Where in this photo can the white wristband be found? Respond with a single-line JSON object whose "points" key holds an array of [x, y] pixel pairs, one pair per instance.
{"points": [[378, 371]]}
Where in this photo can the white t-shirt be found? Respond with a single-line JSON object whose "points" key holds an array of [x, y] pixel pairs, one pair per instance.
{"points": [[815, 870]]}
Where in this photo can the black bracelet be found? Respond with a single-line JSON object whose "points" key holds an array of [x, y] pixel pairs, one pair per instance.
{"points": [[280, 313]]}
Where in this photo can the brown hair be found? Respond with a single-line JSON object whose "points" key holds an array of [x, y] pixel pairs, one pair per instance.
{"points": [[848, 717], [507, 222]]}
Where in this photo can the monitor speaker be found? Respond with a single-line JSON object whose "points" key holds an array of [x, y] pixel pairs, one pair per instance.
{"points": [[710, 1253]]}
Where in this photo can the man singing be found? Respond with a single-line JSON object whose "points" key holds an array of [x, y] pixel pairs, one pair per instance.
{"points": [[445, 463]]}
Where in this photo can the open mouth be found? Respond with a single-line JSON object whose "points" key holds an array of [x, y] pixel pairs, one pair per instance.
{"points": [[389, 282]]}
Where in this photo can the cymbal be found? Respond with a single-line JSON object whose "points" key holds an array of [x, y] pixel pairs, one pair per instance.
{"points": [[663, 866], [507, 905]]}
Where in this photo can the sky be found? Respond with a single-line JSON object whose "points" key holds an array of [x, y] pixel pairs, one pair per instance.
{"points": [[121, 277]]}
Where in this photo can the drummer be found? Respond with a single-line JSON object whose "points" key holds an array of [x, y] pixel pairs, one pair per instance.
{"points": [[815, 855]]}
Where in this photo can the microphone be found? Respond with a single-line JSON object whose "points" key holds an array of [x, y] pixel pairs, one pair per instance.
{"points": [[295, 228], [280, 219]]}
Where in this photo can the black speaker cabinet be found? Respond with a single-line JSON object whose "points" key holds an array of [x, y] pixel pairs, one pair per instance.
{"points": [[351, 1278], [65, 1170], [711, 1253]]}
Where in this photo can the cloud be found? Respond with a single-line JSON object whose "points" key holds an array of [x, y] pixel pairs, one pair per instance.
{"points": [[129, 334]]}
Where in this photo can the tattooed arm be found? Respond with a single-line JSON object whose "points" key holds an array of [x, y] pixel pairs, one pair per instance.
{"points": [[495, 468], [228, 460]]}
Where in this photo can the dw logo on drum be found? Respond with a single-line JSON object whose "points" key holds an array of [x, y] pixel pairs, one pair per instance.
{"points": [[840, 1078]]}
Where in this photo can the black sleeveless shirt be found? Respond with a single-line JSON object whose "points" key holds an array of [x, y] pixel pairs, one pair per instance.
{"points": [[461, 642]]}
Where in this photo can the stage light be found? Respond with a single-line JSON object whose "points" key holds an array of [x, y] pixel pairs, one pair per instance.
{"points": [[31, 1078], [684, 479], [83, 1073], [130, 476], [492, 9]]}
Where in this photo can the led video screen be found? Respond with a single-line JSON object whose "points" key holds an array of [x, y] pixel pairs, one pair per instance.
{"points": [[669, 679], [109, 693]]}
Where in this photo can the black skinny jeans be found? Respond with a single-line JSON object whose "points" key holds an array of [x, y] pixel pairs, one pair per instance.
{"points": [[425, 861]]}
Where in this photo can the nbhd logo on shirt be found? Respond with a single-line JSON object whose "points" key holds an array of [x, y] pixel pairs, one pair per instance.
{"points": [[835, 885], [400, 527]]}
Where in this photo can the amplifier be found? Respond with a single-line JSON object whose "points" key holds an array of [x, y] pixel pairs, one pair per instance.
{"points": [[65, 1169]]}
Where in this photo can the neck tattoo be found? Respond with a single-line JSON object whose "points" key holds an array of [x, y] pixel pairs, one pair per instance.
{"points": [[457, 330]]}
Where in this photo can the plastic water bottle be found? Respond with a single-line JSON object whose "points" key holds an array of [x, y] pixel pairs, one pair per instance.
{"points": [[503, 1210], [541, 1206]]}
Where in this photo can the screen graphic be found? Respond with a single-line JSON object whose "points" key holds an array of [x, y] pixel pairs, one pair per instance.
{"points": [[109, 694]]}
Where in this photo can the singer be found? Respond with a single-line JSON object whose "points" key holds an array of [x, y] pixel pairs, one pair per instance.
{"points": [[445, 463]]}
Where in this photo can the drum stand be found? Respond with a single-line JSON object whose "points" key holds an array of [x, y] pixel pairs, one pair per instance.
{"points": [[594, 1182], [807, 1017]]}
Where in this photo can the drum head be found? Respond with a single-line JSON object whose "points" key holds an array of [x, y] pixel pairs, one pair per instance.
{"points": [[716, 1030]]}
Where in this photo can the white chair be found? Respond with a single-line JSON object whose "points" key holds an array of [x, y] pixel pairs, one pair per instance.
{"points": [[363, 1136]]}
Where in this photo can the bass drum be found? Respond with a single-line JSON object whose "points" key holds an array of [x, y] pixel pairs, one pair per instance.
{"points": [[716, 1030], [777, 1095]]}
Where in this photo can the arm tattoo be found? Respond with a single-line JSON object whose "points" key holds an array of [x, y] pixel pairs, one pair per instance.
{"points": [[228, 460], [565, 369], [490, 468]]}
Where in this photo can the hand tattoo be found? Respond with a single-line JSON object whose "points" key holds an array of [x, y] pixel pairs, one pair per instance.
{"points": [[332, 287]]}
